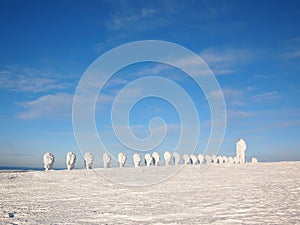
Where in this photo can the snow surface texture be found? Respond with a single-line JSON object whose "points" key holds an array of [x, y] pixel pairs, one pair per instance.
{"points": [[70, 161], [261, 193], [106, 160], [122, 159], [48, 160], [88, 160]]}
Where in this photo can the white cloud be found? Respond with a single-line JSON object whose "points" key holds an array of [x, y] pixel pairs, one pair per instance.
{"points": [[158, 68], [266, 96], [125, 19], [28, 80], [234, 97], [56, 106], [241, 97], [226, 60], [238, 114], [292, 54], [127, 95], [289, 123], [291, 49]]}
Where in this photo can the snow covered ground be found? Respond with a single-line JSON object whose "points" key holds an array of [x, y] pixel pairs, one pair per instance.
{"points": [[263, 193]]}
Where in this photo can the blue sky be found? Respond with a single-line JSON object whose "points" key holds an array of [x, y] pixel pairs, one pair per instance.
{"points": [[253, 48]]}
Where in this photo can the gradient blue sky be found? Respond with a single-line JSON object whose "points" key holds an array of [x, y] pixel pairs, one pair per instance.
{"points": [[253, 48]]}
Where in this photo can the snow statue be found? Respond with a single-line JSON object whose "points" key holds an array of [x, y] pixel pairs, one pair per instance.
{"points": [[137, 159], [240, 150], [201, 158], [176, 158], [88, 160], [48, 160], [167, 158], [254, 160], [148, 159], [230, 160], [193, 159], [186, 159], [220, 159], [71, 159], [155, 156], [122, 159], [225, 159], [106, 160], [214, 158], [207, 159]]}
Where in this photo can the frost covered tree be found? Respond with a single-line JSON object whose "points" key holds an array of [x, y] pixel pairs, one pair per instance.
{"points": [[106, 160], [137, 159], [193, 159], [186, 159], [235, 160], [122, 159], [176, 158], [156, 158], [230, 160], [207, 159], [240, 150], [148, 159], [214, 158], [254, 160], [167, 158], [70, 161], [88, 160], [201, 158], [48, 160], [220, 159]]}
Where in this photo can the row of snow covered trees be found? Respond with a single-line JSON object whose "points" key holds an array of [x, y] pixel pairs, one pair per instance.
{"points": [[153, 159]]}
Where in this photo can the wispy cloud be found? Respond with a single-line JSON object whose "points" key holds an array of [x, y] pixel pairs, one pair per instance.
{"points": [[158, 14], [266, 96], [29, 80], [242, 97], [289, 123], [239, 114], [291, 49], [125, 19], [126, 95], [226, 60], [49, 106], [234, 97], [154, 70], [291, 54], [59, 105]]}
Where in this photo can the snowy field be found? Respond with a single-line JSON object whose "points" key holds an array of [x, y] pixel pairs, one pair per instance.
{"points": [[263, 193]]}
